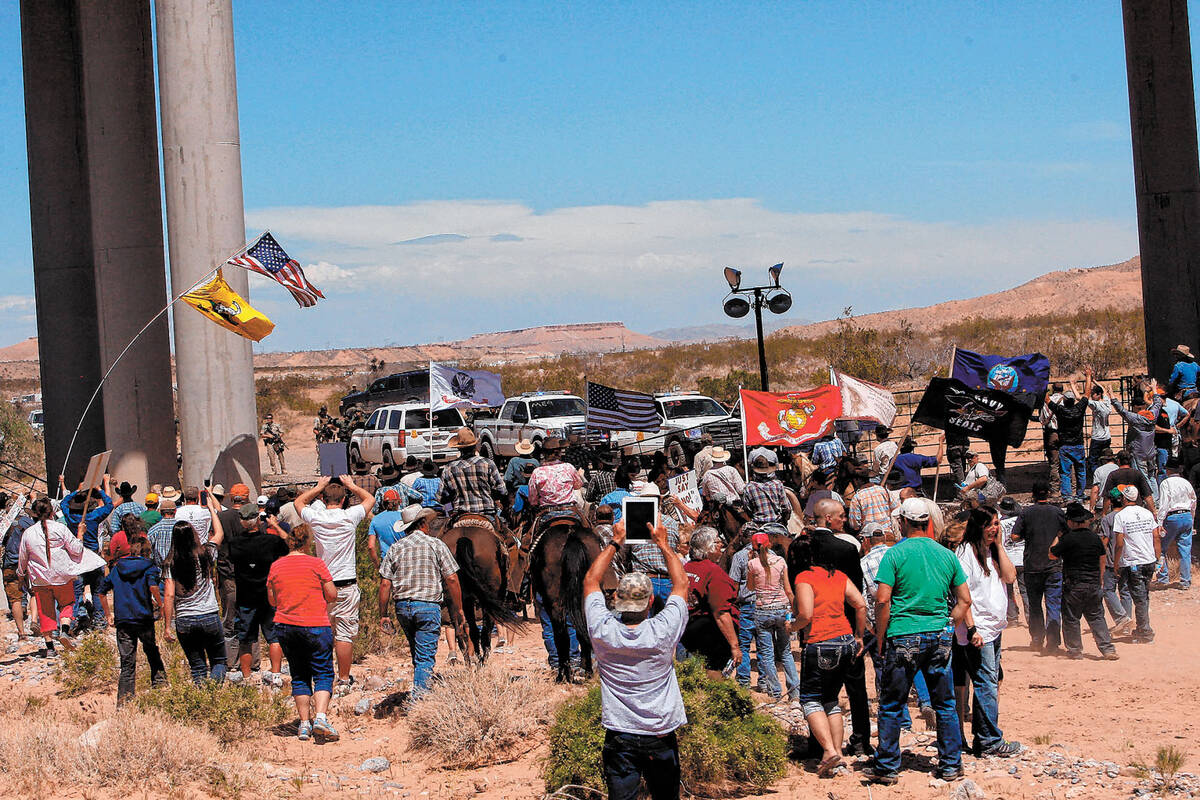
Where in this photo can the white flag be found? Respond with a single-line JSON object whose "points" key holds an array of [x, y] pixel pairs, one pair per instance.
{"points": [[862, 400], [450, 387]]}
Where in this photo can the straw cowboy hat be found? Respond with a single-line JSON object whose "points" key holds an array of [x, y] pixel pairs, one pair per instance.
{"points": [[524, 447], [464, 437], [720, 455], [1183, 350]]}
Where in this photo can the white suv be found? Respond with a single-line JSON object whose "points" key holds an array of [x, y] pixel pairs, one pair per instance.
{"points": [[681, 414], [395, 432]]}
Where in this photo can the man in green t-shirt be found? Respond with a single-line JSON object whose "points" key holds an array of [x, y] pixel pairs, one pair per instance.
{"points": [[914, 623]]}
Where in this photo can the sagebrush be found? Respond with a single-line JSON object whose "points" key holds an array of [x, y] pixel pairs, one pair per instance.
{"points": [[725, 745], [92, 664]]}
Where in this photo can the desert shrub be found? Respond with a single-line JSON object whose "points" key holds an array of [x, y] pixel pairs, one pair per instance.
{"points": [[371, 639], [230, 712], [42, 753], [291, 392], [478, 716], [725, 745], [91, 665]]}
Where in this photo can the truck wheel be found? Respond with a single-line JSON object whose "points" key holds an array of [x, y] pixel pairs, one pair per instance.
{"points": [[389, 462], [487, 450], [676, 455], [357, 465]]}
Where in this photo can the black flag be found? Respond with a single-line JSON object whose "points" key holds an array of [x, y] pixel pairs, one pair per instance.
{"points": [[951, 405]]}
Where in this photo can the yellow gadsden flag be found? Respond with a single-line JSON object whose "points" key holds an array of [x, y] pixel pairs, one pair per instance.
{"points": [[225, 307]]}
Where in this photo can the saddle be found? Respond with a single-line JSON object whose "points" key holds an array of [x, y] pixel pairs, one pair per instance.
{"points": [[552, 518]]}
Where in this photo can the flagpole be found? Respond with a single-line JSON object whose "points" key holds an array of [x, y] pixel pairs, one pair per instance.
{"points": [[203, 279], [745, 448], [431, 410], [953, 358], [937, 476]]}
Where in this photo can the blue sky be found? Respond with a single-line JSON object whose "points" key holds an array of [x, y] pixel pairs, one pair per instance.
{"points": [[450, 168]]}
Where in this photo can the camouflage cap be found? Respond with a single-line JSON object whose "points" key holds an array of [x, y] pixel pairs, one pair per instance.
{"points": [[633, 593]]}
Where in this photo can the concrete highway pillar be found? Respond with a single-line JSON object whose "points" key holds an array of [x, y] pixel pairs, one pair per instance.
{"points": [[205, 224], [97, 234], [1166, 171]]}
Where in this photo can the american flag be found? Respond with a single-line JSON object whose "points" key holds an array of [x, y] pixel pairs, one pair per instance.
{"points": [[619, 410], [266, 257]]}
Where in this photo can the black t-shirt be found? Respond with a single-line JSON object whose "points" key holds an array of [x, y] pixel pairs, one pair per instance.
{"points": [[1070, 422], [231, 525], [1163, 441], [1126, 476], [1080, 551], [1037, 525], [252, 555]]}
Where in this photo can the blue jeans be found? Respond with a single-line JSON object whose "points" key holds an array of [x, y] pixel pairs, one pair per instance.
{"points": [[918, 684], [1163, 455], [627, 758], [1045, 624], [1137, 578], [773, 639], [983, 667], [1177, 528], [1117, 597], [421, 622], [1071, 464], [203, 642], [309, 653], [548, 634], [825, 666], [903, 658], [90, 578], [747, 630], [1149, 468]]}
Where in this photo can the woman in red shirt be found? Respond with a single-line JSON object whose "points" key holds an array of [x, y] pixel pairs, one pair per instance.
{"points": [[822, 594], [300, 588]]}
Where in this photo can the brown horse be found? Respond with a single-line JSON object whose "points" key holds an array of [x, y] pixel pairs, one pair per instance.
{"points": [[482, 573], [727, 519], [560, 559]]}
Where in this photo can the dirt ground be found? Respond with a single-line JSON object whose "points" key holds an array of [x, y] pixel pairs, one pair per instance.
{"points": [[1085, 723]]}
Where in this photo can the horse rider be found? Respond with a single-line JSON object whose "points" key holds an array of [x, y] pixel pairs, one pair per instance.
{"points": [[765, 497], [469, 483]]}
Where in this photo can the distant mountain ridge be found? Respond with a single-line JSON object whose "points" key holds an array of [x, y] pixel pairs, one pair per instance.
{"points": [[720, 330]]}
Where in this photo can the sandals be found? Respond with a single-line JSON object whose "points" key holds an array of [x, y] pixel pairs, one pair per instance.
{"points": [[828, 765]]}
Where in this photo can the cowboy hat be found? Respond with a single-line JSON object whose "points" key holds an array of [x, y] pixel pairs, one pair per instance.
{"points": [[168, 493], [553, 444], [720, 455], [126, 489], [428, 468], [524, 447], [463, 437], [763, 460], [411, 515], [1183, 350]]}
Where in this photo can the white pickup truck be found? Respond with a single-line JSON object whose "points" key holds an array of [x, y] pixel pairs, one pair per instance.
{"points": [[682, 415], [395, 432], [535, 416]]}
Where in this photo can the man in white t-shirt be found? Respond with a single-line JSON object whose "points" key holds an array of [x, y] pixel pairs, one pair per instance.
{"points": [[883, 455], [1101, 408], [334, 528], [191, 511], [640, 704], [1176, 515], [1136, 553]]}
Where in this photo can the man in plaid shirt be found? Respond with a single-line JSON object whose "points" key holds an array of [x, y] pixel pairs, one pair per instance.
{"points": [[468, 483], [871, 503], [414, 572], [827, 451], [764, 496]]}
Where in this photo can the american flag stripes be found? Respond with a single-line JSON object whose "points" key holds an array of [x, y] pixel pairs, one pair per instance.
{"points": [[619, 410], [266, 257]]}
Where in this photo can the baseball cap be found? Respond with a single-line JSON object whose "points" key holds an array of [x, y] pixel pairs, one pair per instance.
{"points": [[914, 509], [1129, 492], [151, 497], [262, 500], [237, 490], [248, 511], [633, 593], [391, 495], [871, 530], [218, 490], [763, 460], [166, 504], [649, 489], [760, 538]]}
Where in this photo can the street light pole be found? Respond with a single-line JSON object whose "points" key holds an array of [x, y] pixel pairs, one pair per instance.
{"points": [[773, 296]]}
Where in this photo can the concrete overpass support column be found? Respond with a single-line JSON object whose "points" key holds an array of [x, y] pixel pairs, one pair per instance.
{"points": [[1166, 170], [205, 224]]}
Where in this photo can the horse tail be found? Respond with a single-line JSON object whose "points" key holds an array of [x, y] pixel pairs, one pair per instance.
{"points": [[468, 576], [575, 564]]}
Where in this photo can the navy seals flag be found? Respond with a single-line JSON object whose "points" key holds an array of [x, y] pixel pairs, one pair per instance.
{"points": [[1017, 375], [951, 405]]}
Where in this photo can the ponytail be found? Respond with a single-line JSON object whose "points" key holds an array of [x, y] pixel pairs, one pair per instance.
{"points": [[763, 551], [41, 510]]}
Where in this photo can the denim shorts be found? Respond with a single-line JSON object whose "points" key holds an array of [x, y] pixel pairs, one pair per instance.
{"points": [[824, 669], [252, 619]]}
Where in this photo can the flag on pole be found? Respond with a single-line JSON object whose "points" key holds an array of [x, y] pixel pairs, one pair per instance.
{"points": [[451, 387], [266, 257], [790, 418], [990, 414], [863, 400], [226, 307], [620, 410]]}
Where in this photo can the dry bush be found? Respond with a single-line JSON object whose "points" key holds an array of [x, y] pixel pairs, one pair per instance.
{"points": [[478, 716], [92, 664], [42, 753]]}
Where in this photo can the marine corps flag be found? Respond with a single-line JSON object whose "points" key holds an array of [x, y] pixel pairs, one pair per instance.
{"points": [[226, 307], [951, 405], [790, 418]]}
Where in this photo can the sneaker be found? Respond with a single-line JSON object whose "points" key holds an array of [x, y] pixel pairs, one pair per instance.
{"points": [[324, 732], [952, 775], [929, 717], [304, 732], [1143, 638], [234, 677], [1111, 656], [1075, 655], [876, 776], [1003, 750], [1123, 627]]}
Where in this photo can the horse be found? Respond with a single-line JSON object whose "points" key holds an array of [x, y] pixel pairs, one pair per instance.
{"points": [[482, 574], [562, 554], [727, 519]]}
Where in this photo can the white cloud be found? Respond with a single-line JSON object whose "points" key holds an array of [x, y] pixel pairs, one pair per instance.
{"points": [[17, 303], [650, 265]]}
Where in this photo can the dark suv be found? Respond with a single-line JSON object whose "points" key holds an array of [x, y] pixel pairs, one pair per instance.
{"points": [[399, 387]]}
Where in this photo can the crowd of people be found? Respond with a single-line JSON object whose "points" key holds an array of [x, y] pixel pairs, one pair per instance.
{"points": [[844, 558]]}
